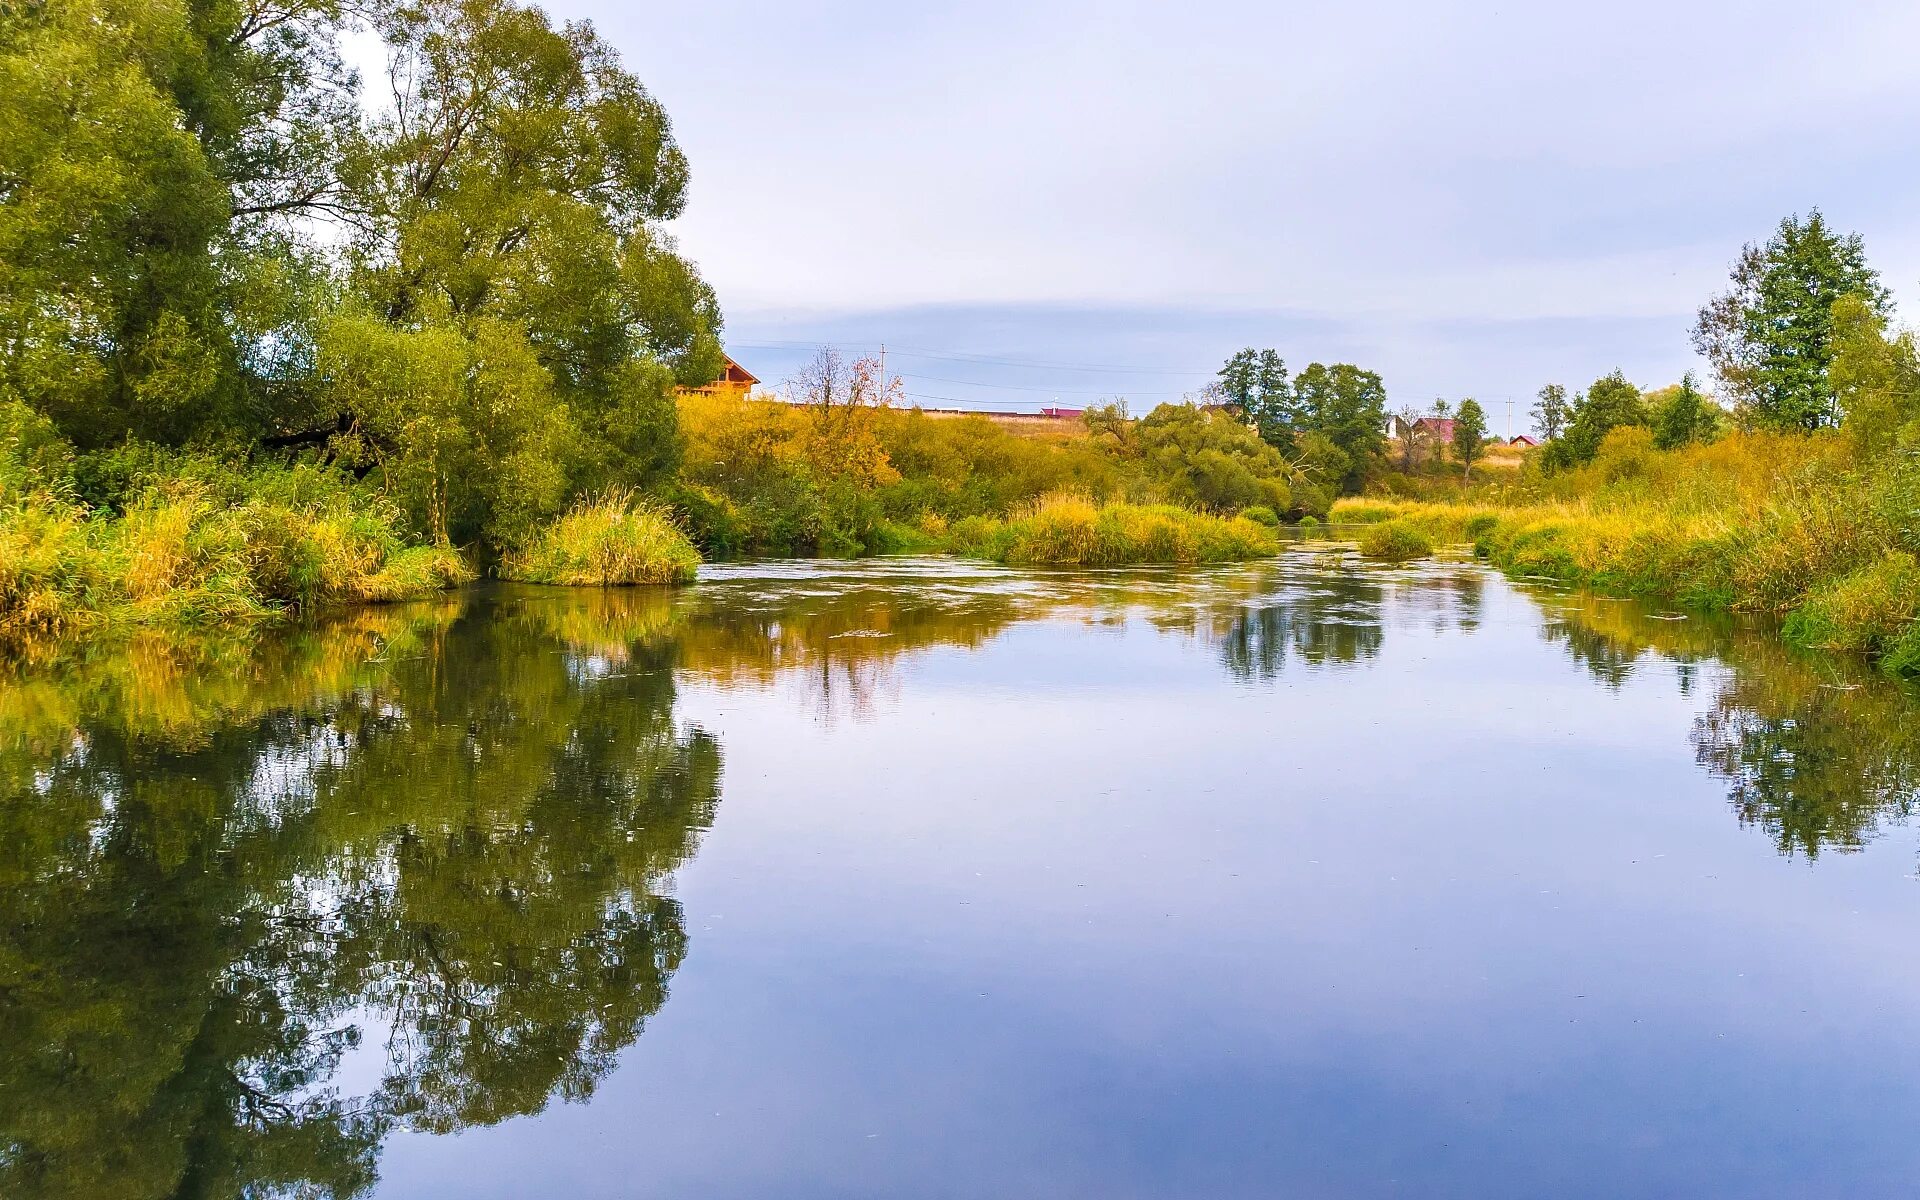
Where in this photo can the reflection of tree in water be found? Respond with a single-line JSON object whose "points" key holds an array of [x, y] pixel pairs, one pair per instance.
{"points": [[1818, 764], [1328, 621], [463, 839], [1817, 751], [843, 631], [842, 639]]}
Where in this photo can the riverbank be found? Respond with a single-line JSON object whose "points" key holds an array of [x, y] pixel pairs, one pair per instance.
{"points": [[1825, 551]]}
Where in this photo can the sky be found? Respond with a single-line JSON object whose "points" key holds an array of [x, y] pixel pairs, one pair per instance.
{"points": [[1063, 203]]}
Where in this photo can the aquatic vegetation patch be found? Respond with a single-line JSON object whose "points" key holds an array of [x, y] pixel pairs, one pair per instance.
{"points": [[1071, 530], [613, 540], [1396, 541]]}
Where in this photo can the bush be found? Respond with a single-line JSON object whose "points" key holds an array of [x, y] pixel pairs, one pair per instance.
{"points": [[1260, 514], [1068, 530], [614, 540], [1395, 541]]}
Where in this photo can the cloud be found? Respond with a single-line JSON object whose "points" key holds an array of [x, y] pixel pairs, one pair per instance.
{"points": [[1384, 169]]}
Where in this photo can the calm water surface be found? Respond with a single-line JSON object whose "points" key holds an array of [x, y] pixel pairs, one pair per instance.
{"points": [[917, 878]]}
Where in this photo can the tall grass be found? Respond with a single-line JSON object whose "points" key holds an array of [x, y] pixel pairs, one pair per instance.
{"points": [[1768, 523], [613, 540], [1073, 530], [190, 553], [1396, 541]]}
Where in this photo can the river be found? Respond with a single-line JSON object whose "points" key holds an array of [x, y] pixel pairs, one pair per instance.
{"points": [[915, 877]]}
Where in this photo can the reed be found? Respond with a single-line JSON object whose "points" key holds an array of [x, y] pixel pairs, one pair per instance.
{"points": [[1067, 529], [1395, 541], [610, 541]]}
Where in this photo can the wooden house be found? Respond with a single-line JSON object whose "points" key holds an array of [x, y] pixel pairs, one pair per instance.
{"points": [[734, 378]]}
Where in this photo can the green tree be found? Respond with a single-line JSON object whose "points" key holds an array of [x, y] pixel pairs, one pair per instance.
{"points": [[1551, 412], [1770, 335], [155, 159], [1347, 406], [1210, 460], [1683, 417], [1469, 434], [1253, 385], [1610, 403], [1876, 377], [509, 240]]}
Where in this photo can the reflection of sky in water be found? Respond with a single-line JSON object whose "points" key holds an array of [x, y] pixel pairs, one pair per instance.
{"points": [[1075, 911], [905, 878]]}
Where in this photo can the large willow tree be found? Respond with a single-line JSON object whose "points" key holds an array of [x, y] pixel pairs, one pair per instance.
{"points": [[451, 277]]}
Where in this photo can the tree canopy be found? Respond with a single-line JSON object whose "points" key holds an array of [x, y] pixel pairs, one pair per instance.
{"points": [[1770, 335], [461, 287]]}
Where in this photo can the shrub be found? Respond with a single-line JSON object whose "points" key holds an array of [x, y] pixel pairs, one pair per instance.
{"points": [[1071, 530], [1395, 541], [613, 540], [1260, 514]]}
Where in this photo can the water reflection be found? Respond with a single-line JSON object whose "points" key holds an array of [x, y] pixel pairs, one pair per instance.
{"points": [[1817, 752], [224, 864], [263, 903]]}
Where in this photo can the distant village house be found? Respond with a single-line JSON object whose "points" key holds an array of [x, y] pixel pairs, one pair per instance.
{"points": [[735, 378]]}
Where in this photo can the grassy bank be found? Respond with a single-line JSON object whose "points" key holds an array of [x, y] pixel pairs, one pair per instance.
{"points": [[195, 552], [1068, 530], [1777, 524]]}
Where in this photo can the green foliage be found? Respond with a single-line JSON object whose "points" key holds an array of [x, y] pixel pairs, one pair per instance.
{"points": [[1348, 407], [1683, 416], [1872, 611], [1469, 434], [203, 544], [1210, 461], [608, 541], [1260, 514], [1070, 530], [1253, 386], [1770, 337], [1610, 403], [501, 330], [1395, 541], [1551, 412], [1876, 378]]}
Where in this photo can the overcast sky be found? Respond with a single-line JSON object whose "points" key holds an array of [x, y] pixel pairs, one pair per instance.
{"points": [[1469, 198]]}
